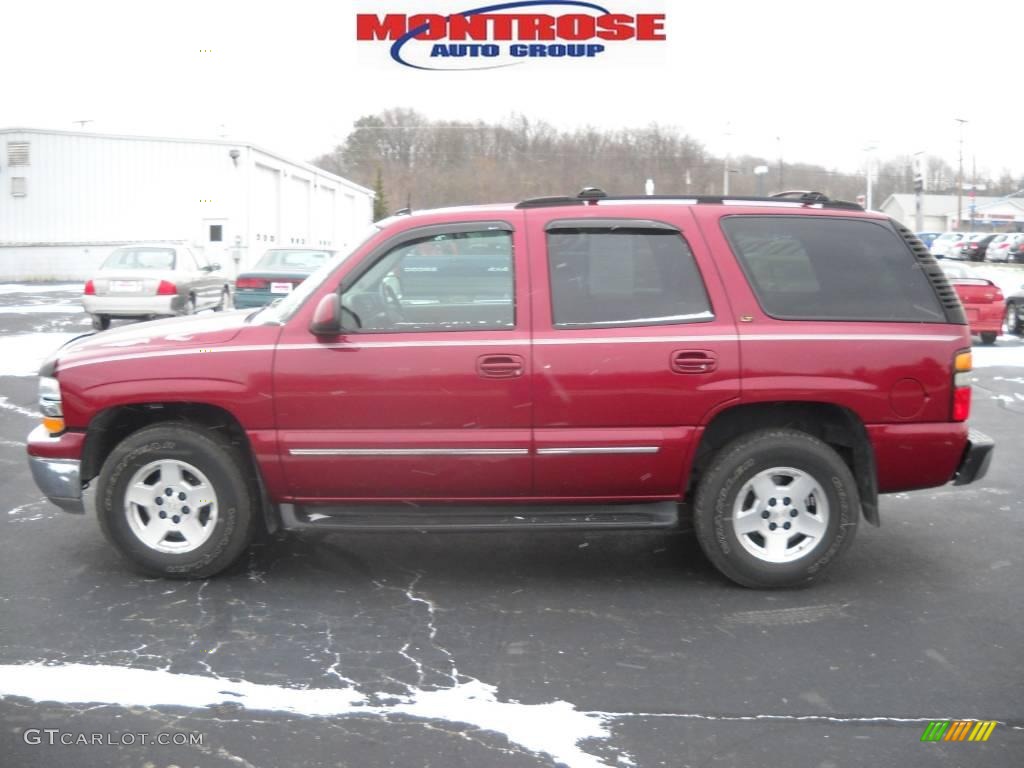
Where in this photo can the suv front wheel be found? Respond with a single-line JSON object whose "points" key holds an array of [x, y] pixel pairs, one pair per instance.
{"points": [[174, 499], [775, 508]]}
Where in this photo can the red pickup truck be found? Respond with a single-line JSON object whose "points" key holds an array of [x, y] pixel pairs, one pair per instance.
{"points": [[768, 366]]}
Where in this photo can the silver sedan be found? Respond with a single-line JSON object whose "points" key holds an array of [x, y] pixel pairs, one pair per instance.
{"points": [[154, 280]]}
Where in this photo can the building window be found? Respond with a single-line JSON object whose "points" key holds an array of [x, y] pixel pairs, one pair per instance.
{"points": [[17, 153], [19, 187], [216, 233]]}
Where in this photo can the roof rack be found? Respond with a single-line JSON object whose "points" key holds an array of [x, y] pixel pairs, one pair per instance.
{"points": [[592, 195]]}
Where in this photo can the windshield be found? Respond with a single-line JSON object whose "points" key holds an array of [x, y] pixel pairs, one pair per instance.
{"points": [[281, 310], [140, 258], [301, 261]]}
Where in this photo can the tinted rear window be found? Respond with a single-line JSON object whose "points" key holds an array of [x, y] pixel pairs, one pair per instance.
{"points": [[820, 268]]}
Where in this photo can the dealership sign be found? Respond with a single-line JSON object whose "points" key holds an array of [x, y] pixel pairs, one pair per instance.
{"points": [[507, 34]]}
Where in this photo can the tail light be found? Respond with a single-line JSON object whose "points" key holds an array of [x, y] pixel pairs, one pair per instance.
{"points": [[962, 365], [90, 289], [166, 288], [251, 282]]}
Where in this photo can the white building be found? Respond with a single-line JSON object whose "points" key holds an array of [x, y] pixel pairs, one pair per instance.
{"points": [[939, 212], [67, 198]]}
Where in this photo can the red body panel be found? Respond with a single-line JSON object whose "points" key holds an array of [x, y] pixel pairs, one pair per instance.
{"points": [[912, 456], [408, 416]]}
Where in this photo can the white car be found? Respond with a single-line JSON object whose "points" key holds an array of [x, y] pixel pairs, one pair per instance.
{"points": [[945, 243], [154, 280], [999, 248]]}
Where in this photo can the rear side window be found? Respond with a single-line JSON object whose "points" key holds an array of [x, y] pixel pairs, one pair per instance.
{"points": [[805, 268], [606, 277]]}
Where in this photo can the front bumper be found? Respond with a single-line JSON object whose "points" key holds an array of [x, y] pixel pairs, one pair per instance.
{"points": [[58, 477], [976, 459], [133, 306]]}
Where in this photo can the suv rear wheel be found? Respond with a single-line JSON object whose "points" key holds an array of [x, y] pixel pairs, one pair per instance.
{"points": [[775, 508], [174, 500]]}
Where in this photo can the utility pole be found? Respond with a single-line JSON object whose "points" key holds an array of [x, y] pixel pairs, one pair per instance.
{"points": [[725, 165], [871, 147], [919, 182], [974, 188], [960, 176], [782, 181]]}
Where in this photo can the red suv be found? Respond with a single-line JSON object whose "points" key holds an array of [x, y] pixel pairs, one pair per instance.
{"points": [[767, 366]]}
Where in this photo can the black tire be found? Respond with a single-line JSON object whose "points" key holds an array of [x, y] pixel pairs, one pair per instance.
{"points": [[227, 472], [740, 462], [225, 300], [988, 338], [100, 322], [190, 306], [1012, 319]]}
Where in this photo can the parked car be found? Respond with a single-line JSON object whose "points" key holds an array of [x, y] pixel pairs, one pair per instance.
{"points": [[1015, 252], [947, 245], [154, 280], [999, 248], [927, 237], [278, 272], [983, 301], [764, 366], [975, 247], [1013, 322]]}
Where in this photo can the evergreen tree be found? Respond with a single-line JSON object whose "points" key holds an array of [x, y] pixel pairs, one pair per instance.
{"points": [[380, 201]]}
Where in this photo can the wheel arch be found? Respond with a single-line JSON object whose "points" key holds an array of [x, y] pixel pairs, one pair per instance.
{"points": [[112, 425], [839, 427]]}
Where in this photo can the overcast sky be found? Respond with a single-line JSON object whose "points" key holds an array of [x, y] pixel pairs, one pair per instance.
{"points": [[817, 80]]}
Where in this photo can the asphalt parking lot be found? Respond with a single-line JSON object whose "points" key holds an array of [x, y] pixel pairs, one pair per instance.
{"points": [[512, 650]]}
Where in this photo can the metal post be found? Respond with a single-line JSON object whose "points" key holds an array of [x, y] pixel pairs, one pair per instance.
{"points": [[869, 149], [782, 182], [919, 182], [960, 177]]}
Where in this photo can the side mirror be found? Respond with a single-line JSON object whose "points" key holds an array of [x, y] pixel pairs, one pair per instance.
{"points": [[327, 317], [214, 267]]}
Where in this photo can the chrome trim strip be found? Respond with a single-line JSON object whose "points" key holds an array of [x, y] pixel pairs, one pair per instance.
{"points": [[598, 449], [409, 451]]}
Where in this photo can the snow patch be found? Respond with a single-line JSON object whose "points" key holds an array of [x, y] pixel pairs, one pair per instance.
{"points": [[42, 309], [21, 354], [554, 728], [7, 405], [1000, 355], [41, 288]]}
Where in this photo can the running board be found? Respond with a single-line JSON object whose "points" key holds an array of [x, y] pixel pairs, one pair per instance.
{"points": [[424, 517]]}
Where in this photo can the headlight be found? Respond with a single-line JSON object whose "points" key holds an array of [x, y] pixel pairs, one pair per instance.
{"points": [[50, 405]]}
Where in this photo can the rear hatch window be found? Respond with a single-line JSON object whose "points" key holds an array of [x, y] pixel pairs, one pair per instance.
{"points": [[823, 268]]}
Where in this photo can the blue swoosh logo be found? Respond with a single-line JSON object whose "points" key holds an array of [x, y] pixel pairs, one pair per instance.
{"points": [[396, 49]]}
